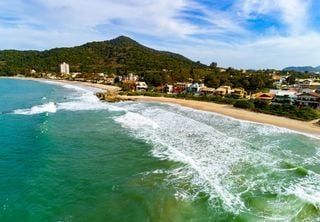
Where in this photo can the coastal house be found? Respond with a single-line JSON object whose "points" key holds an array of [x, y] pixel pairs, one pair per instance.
{"points": [[306, 90], [304, 83], [276, 76], [206, 91], [194, 88], [141, 86], [278, 83], [168, 88], [180, 87], [284, 96], [314, 85], [263, 96], [309, 99], [159, 88], [223, 90], [239, 92]]}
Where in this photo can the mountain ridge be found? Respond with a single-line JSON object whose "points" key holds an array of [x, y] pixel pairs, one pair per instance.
{"points": [[121, 53], [303, 69]]}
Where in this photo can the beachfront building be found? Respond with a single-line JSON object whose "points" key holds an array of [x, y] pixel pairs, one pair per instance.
{"points": [[309, 99], [223, 90], [194, 88], [180, 87], [204, 91], [284, 96], [263, 96], [141, 86], [239, 92], [168, 88], [64, 68]]}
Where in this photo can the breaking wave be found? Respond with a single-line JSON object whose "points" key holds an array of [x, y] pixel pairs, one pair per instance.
{"points": [[45, 108], [82, 98], [231, 161]]}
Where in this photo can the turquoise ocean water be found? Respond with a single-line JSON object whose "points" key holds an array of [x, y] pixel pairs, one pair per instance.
{"points": [[65, 156]]}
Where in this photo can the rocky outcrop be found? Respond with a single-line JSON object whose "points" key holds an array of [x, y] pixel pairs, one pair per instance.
{"points": [[111, 97]]}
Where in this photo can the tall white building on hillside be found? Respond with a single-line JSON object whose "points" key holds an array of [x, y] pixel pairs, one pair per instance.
{"points": [[64, 68]]}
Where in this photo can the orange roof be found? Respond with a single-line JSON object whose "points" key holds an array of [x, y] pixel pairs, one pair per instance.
{"points": [[265, 96]]}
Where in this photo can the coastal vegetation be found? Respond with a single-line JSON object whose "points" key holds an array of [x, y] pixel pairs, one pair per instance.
{"points": [[120, 56]]}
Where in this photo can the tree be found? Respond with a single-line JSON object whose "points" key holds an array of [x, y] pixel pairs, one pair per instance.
{"points": [[291, 80], [213, 65], [212, 80]]}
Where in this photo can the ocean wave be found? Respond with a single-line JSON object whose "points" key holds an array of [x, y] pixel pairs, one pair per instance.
{"points": [[227, 163], [136, 121], [45, 108], [82, 99]]}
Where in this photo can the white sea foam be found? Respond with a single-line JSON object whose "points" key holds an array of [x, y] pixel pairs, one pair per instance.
{"points": [[45, 108], [307, 189], [222, 157], [136, 121], [207, 156], [83, 98]]}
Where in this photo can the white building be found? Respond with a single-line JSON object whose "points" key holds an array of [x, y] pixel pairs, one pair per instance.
{"points": [[64, 68], [141, 86]]}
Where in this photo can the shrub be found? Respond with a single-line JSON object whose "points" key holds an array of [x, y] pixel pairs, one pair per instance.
{"points": [[261, 104], [244, 104]]}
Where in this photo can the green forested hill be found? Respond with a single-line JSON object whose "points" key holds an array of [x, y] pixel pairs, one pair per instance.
{"points": [[118, 55]]}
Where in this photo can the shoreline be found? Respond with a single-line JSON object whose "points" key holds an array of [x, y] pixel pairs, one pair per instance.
{"points": [[223, 109], [240, 114], [106, 88]]}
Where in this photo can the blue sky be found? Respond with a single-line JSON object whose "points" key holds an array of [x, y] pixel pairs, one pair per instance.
{"points": [[239, 33]]}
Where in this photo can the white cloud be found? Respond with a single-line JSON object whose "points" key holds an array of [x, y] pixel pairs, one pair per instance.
{"points": [[145, 16], [293, 13], [223, 38], [271, 52]]}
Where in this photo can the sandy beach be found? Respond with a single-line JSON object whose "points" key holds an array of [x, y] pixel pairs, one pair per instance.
{"points": [[228, 110]]}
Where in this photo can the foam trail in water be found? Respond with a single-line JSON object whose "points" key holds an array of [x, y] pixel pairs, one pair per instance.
{"points": [[223, 158], [45, 108]]}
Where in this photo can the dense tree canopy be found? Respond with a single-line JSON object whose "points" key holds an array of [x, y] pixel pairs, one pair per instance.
{"points": [[121, 53]]}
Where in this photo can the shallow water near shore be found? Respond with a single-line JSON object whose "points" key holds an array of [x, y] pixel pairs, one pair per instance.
{"points": [[66, 156]]}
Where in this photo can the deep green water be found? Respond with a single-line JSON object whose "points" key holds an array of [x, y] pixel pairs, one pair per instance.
{"points": [[64, 156]]}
